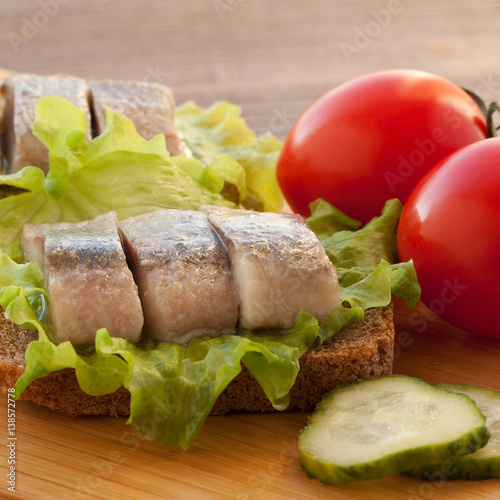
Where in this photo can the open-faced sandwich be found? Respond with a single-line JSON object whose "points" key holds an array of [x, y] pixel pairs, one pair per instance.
{"points": [[145, 269]]}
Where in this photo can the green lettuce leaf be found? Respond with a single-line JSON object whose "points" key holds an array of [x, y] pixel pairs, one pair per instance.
{"points": [[326, 220], [180, 385], [220, 130], [172, 387], [355, 253], [365, 262], [118, 170], [22, 295]]}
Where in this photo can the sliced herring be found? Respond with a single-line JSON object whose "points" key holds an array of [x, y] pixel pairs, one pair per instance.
{"points": [[182, 270], [150, 106], [20, 147], [279, 265], [87, 279]]}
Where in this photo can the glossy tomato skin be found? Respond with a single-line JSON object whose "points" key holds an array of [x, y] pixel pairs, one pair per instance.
{"points": [[450, 227], [373, 138]]}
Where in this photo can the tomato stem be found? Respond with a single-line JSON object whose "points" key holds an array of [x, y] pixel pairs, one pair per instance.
{"points": [[488, 112], [478, 101], [492, 129]]}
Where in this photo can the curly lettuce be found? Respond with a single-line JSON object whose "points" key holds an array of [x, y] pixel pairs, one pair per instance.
{"points": [[365, 262], [219, 131], [172, 387], [119, 170]]}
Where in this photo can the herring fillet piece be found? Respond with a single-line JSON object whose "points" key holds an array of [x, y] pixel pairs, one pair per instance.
{"points": [[150, 106], [23, 90], [182, 270], [280, 267], [87, 279]]}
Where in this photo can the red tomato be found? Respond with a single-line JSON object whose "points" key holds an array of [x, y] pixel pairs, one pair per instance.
{"points": [[373, 138], [450, 227]]}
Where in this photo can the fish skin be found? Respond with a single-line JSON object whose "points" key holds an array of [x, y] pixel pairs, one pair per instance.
{"points": [[33, 240], [280, 267], [150, 106], [87, 279], [20, 147], [183, 273]]}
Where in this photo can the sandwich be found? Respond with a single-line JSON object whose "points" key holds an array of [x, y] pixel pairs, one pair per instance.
{"points": [[147, 272]]}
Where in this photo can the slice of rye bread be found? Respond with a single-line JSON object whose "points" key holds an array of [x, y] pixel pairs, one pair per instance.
{"points": [[361, 350]]}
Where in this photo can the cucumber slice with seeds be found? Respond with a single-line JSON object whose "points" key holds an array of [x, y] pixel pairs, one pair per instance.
{"points": [[483, 463], [387, 425]]}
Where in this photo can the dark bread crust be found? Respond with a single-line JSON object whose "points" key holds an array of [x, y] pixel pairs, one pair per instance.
{"points": [[361, 350], [364, 349]]}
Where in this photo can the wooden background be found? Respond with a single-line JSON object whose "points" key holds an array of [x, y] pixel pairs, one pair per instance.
{"points": [[273, 58]]}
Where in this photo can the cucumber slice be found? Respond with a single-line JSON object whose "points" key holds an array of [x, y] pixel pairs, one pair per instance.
{"points": [[483, 463], [387, 425]]}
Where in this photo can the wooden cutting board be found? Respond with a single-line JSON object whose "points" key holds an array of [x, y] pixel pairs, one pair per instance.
{"points": [[238, 456]]}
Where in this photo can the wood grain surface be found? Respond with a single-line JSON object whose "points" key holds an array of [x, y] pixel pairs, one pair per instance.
{"points": [[273, 58]]}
